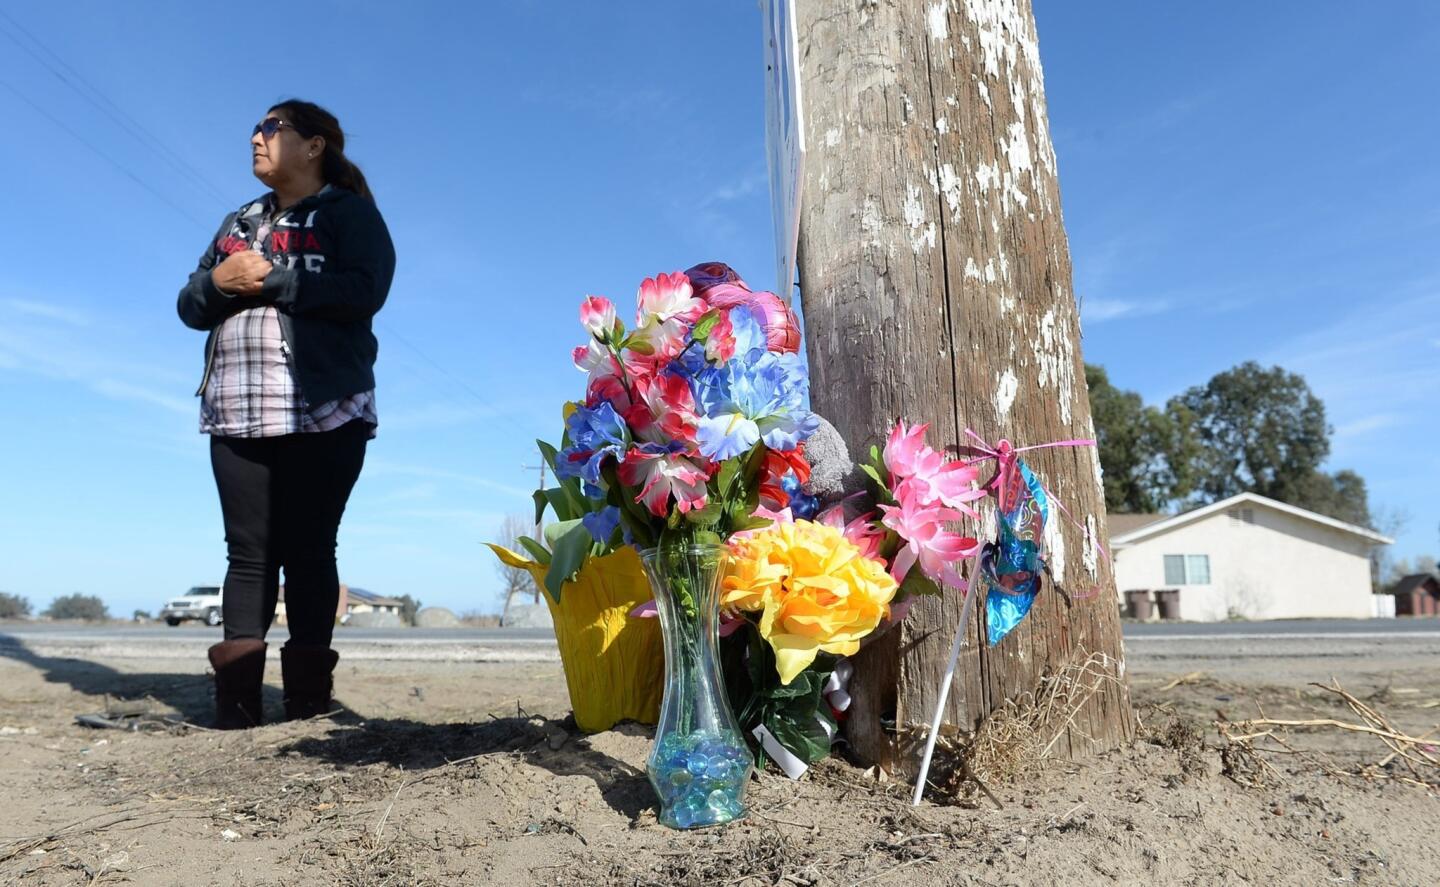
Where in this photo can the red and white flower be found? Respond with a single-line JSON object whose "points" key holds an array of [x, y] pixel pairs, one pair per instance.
{"points": [[659, 475]]}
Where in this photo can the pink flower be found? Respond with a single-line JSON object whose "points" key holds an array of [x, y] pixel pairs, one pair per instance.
{"points": [[597, 313], [936, 549], [665, 411], [862, 531], [660, 474], [667, 297], [928, 477], [778, 320], [720, 343], [595, 359]]}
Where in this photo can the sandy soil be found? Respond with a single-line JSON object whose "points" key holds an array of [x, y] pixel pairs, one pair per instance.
{"points": [[467, 774]]}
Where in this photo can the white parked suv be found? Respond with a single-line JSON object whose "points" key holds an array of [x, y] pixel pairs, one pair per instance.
{"points": [[201, 602]]}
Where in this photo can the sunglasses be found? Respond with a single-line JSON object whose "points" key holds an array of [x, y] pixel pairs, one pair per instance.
{"points": [[269, 126]]}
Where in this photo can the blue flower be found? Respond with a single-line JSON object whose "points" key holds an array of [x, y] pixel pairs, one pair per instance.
{"points": [[758, 396], [802, 505], [594, 435], [602, 524], [749, 334]]}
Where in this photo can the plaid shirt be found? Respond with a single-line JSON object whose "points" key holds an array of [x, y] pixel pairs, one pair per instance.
{"points": [[251, 390]]}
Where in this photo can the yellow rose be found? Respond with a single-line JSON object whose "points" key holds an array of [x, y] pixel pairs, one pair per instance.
{"points": [[812, 587]]}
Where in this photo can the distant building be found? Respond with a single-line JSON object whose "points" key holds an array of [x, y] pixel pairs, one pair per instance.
{"points": [[1416, 595], [1244, 557], [352, 600]]}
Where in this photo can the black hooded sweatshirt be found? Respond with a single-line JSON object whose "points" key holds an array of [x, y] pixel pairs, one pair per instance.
{"points": [[334, 263]]}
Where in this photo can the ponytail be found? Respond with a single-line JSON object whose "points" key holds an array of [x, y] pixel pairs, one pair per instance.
{"points": [[340, 172], [311, 120]]}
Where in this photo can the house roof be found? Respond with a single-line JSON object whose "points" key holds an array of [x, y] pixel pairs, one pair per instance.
{"points": [[1412, 582], [360, 595], [1122, 524], [1166, 523]]}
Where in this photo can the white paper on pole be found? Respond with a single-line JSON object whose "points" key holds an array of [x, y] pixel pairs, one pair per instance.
{"points": [[784, 135], [793, 766]]}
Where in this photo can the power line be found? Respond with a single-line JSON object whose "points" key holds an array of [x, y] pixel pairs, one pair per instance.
{"points": [[459, 383], [40, 109], [110, 109]]}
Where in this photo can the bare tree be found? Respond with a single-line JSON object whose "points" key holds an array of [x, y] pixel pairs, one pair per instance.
{"points": [[1388, 521], [515, 582]]}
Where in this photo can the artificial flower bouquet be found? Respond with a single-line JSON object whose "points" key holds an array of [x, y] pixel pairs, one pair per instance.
{"points": [[692, 420], [802, 594]]}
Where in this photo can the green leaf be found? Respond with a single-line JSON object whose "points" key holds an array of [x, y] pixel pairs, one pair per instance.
{"points": [[874, 475], [750, 522], [706, 516], [541, 500], [725, 477], [569, 546], [917, 582], [550, 454], [702, 328], [539, 553], [563, 504]]}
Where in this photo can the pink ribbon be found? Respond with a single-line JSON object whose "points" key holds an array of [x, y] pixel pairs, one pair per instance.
{"points": [[1006, 454]]}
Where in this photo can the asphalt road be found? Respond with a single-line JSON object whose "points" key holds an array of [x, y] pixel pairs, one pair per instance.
{"points": [[1167, 646]]}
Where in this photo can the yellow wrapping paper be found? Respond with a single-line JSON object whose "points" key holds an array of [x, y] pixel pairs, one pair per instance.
{"points": [[614, 664]]}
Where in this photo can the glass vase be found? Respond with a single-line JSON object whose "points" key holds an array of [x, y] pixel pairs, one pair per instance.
{"points": [[700, 764]]}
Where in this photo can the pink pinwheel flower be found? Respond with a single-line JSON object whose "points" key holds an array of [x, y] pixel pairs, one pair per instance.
{"points": [[597, 314], [937, 550], [862, 531], [926, 475], [659, 474]]}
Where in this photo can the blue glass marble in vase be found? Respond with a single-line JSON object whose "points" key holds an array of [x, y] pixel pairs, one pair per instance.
{"points": [[700, 764]]}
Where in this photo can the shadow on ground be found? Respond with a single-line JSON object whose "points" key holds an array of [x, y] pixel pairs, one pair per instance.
{"points": [[189, 696], [417, 747]]}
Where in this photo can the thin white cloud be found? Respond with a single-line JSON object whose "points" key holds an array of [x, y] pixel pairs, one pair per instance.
{"points": [[1365, 425], [71, 354], [1101, 310], [48, 311], [383, 467], [431, 417], [117, 390]]}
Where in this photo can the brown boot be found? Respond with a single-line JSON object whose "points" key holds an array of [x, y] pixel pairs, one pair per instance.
{"points": [[239, 674], [307, 672]]}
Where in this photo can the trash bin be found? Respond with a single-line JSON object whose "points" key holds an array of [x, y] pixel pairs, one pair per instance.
{"points": [[1137, 604], [1168, 602]]}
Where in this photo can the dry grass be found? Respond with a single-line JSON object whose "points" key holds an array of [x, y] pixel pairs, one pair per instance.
{"points": [[1413, 760], [1014, 739]]}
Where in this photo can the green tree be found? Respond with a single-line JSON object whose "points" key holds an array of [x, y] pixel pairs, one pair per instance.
{"points": [[1144, 451], [1259, 430], [408, 608], [13, 606], [78, 606]]}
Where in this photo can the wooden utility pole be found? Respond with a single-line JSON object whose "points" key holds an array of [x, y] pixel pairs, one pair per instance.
{"points": [[936, 285]]}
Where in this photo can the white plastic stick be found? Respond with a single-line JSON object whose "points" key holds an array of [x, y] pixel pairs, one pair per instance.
{"points": [[970, 595]]}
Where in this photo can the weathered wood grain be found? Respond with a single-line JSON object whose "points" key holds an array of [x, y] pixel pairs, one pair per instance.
{"points": [[936, 285]]}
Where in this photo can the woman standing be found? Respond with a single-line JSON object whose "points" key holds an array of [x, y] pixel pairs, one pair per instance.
{"points": [[287, 290]]}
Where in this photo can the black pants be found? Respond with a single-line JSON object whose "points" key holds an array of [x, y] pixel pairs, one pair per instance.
{"points": [[282, 498]]}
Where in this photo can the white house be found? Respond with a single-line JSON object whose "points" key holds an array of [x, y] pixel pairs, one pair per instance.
{"points": [[1246, 556]]}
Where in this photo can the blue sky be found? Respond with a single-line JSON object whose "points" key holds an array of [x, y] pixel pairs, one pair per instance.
{"points": [[1239, 182]]}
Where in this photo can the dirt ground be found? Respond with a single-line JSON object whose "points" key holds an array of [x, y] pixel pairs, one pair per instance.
{"points": [[467, 774]]}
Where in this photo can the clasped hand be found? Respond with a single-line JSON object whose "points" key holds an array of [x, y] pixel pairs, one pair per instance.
{"points": [[242, 273]]}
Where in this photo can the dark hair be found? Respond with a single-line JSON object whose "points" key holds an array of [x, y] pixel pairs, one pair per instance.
{"points": [[310, 120]]}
